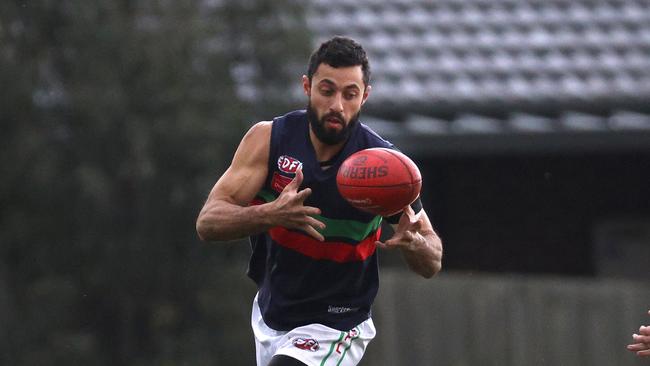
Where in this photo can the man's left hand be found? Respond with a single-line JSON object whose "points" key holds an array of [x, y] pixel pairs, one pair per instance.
{"points": [[406, 234]]}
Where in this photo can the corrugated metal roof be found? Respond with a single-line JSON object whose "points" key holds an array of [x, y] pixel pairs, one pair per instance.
{"points": [[510, 51], [501, 70]]}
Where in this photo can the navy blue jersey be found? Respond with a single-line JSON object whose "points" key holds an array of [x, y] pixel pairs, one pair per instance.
{"points": [[300, 279]]}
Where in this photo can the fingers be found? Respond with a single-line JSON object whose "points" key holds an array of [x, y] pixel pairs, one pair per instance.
{"points": [[393, 242], [410, 214], [403, 224], [301, 217], [409, 220], [295, 182], [644, 353], [315, 223], [641, 349], [294, 185], [417, 225], [637, 347], [306, 223], [302, 195], [403, 239], [383, 245], [641, 338], [310, 211], [642, 345], [313, 232]]}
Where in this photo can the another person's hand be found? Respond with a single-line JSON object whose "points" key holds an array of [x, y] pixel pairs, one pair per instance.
{"points": [[641, 345], [289, 210]]}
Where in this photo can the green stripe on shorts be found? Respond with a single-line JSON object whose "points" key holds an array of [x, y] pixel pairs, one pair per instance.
{"points": [[348, 347], [332, 349]]}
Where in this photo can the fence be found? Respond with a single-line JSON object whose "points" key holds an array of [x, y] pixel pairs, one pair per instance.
{"points": [[457, 320]]}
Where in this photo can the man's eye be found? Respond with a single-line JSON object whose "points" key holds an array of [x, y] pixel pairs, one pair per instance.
{"points": [[327, 91], [350, 96]]}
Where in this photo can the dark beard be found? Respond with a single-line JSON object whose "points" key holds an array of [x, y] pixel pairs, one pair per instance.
{"points": [[330, 137]]}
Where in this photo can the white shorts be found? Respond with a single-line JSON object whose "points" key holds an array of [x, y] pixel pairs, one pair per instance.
{"points": [[313, 344]]}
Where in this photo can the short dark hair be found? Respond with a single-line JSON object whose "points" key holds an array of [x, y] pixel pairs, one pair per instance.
{"points": [[340, 52]]}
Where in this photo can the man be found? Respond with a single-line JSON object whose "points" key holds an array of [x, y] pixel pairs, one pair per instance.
{"points": [[641, 345], [314, 257]]}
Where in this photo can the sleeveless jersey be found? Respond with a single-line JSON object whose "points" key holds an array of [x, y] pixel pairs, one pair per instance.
{"points": [[300, 279]]}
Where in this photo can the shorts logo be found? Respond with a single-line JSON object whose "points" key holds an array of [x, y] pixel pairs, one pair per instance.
{"points": [[343, 345], [307, 344], [288, 164]]}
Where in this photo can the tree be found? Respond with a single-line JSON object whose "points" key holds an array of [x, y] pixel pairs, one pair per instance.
{"points": [[120, 116]]}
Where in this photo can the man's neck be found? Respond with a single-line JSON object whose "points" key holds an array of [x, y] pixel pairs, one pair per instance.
{"points": [[324, 152]]}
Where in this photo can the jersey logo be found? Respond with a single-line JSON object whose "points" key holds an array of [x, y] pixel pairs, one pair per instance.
{"points": [[288, 164], [340, 309], [307, 344]]}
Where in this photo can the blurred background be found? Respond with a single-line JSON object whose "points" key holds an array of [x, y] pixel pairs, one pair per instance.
{"points": [[529, 119]]}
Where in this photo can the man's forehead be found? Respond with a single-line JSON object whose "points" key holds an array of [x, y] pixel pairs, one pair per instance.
{"points": [[342, 77]]}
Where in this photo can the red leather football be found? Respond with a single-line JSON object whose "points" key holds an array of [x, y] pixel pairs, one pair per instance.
{"points": [[379, 180]]}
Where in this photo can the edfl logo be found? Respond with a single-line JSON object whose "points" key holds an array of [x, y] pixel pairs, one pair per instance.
{"points": [[288, 164]]}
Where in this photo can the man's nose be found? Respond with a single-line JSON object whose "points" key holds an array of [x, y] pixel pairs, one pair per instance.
{"points": [[337, 104]]}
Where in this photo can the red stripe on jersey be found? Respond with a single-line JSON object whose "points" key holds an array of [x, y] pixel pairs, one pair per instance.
{"points": [[330, 250]]}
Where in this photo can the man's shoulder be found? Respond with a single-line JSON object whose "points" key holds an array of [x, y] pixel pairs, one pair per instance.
{"points": [[289, 124], [259, 130], [291, 117], [372, 138], [264, 127]]}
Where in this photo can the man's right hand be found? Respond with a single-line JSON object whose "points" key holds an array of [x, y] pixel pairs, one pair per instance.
{"points": [[227, 215], [289, 211]]}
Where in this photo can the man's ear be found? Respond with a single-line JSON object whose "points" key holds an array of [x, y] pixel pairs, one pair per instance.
{"points": [[366, 94], [306, 85]]}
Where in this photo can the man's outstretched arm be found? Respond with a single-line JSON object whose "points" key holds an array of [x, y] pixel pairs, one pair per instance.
{"points": [[226, 214]]}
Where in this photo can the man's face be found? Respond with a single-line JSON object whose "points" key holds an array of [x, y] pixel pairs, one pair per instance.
{"points": [[335, 99]]}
